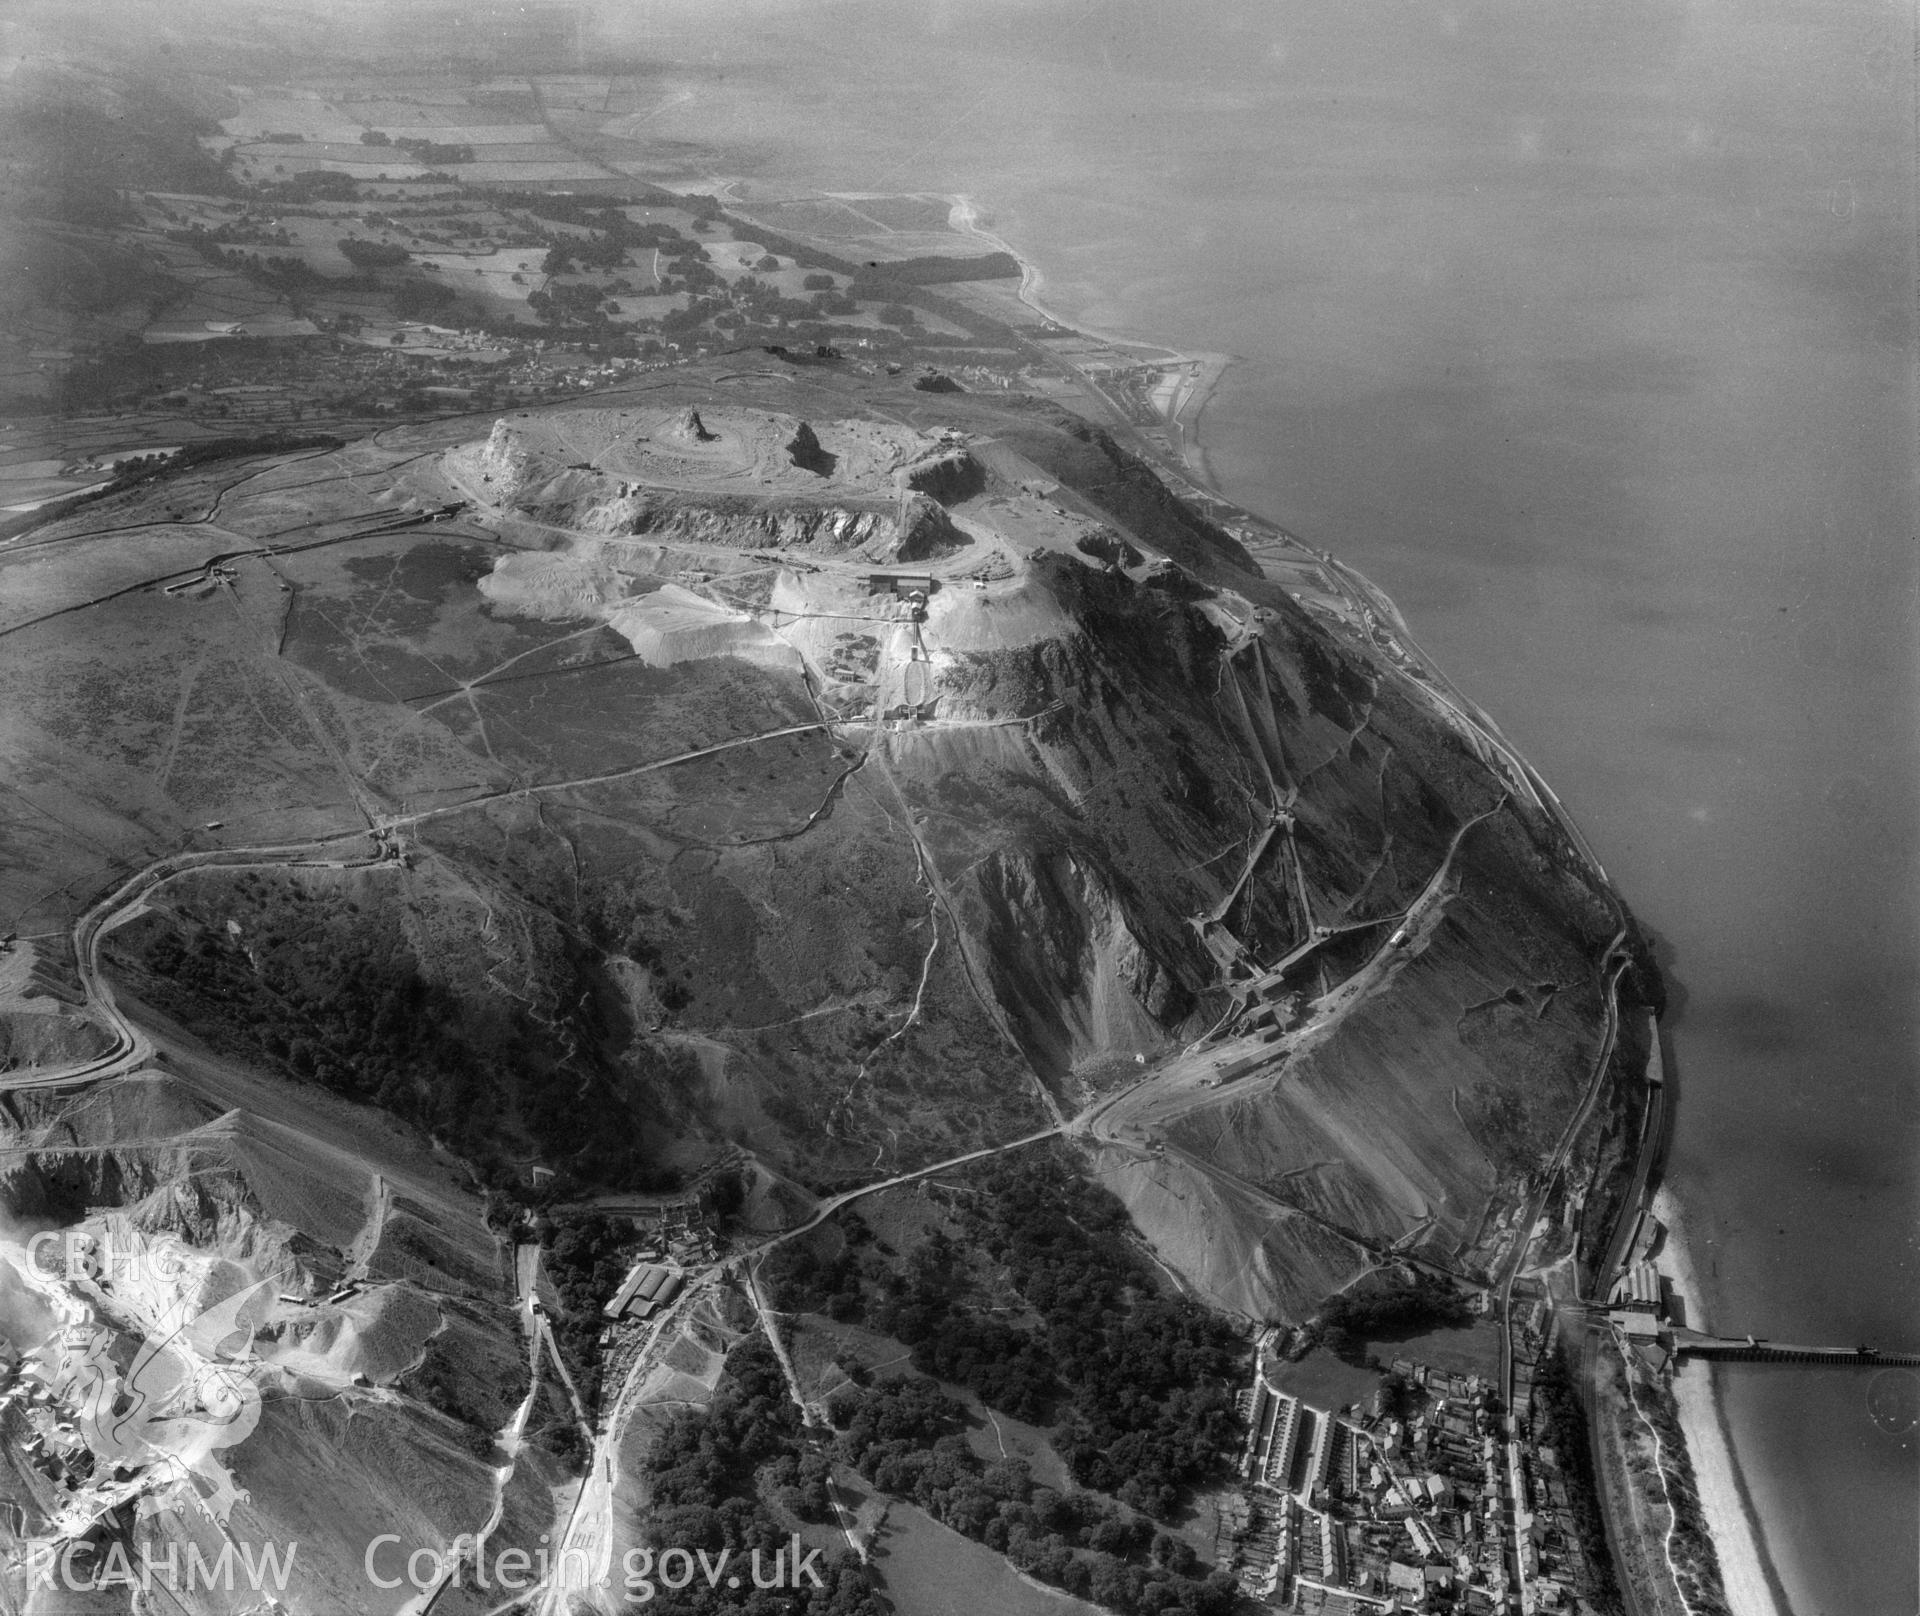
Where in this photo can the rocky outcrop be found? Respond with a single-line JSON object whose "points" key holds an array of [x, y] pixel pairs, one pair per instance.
{"points": [[505, 462], [804, 449], [925, 534], [949, 477], [742, 524], [1074, 981], [1105, 545], [911, 865], [687, 427], [31, 1038]]}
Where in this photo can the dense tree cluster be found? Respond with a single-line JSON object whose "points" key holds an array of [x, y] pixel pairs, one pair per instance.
{"points": [[798, 1280], [1562, 1426], [418, 300], [332, 992], [587, 214], [603, 252], [906, 1437], [1403, 1306], [73, 160], [710, 1476], [315, 185], [585, 1258], [1135, 1383], [939, 269], [141, 468], [364, 1024], [932, 1311], [434, 151], [413, 299], [371, 254], [576, 303], [762, 300]]}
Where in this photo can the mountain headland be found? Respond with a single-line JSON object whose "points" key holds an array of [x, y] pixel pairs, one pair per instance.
{"points": [[803, 813], [676, 890]]}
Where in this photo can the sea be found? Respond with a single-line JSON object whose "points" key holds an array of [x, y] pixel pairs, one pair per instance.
{"points": [[1586, 328]]}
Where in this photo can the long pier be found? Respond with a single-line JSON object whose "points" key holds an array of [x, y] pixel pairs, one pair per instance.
{"points": [[1745, 1349]]}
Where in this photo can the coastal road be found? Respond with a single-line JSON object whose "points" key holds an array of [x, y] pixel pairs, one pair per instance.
{"points": [[1613, 964], [1653, 1132], [1653, 1144]]}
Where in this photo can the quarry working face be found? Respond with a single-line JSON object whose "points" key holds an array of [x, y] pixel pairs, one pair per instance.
{"points": [[141, 1374]]}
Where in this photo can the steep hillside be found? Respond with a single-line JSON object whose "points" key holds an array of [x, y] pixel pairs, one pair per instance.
{"points": [[710, 827], [694, 806], [207, 1229]]}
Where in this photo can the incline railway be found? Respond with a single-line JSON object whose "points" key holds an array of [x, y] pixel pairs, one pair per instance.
{"points": [[1130, 1110]]}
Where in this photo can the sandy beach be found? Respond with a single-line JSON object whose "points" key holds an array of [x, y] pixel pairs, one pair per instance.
{"points": [[964, 218], [1743, 1563], [1751, 1586], [1186, 381]]}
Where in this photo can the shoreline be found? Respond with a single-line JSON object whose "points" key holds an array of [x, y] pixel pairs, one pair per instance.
{"points": [[1187, 379], [1751, 1584]]}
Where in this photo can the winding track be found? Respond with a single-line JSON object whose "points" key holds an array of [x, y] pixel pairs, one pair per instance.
{"points": [[131, 1047], [1370, 608], [1105, 1119]]}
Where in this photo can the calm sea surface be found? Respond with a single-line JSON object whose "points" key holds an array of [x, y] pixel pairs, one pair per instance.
{"points": [[1586, 329]]}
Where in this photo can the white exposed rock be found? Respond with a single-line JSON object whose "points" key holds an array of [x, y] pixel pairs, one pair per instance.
{"points": [[675, 625]]}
